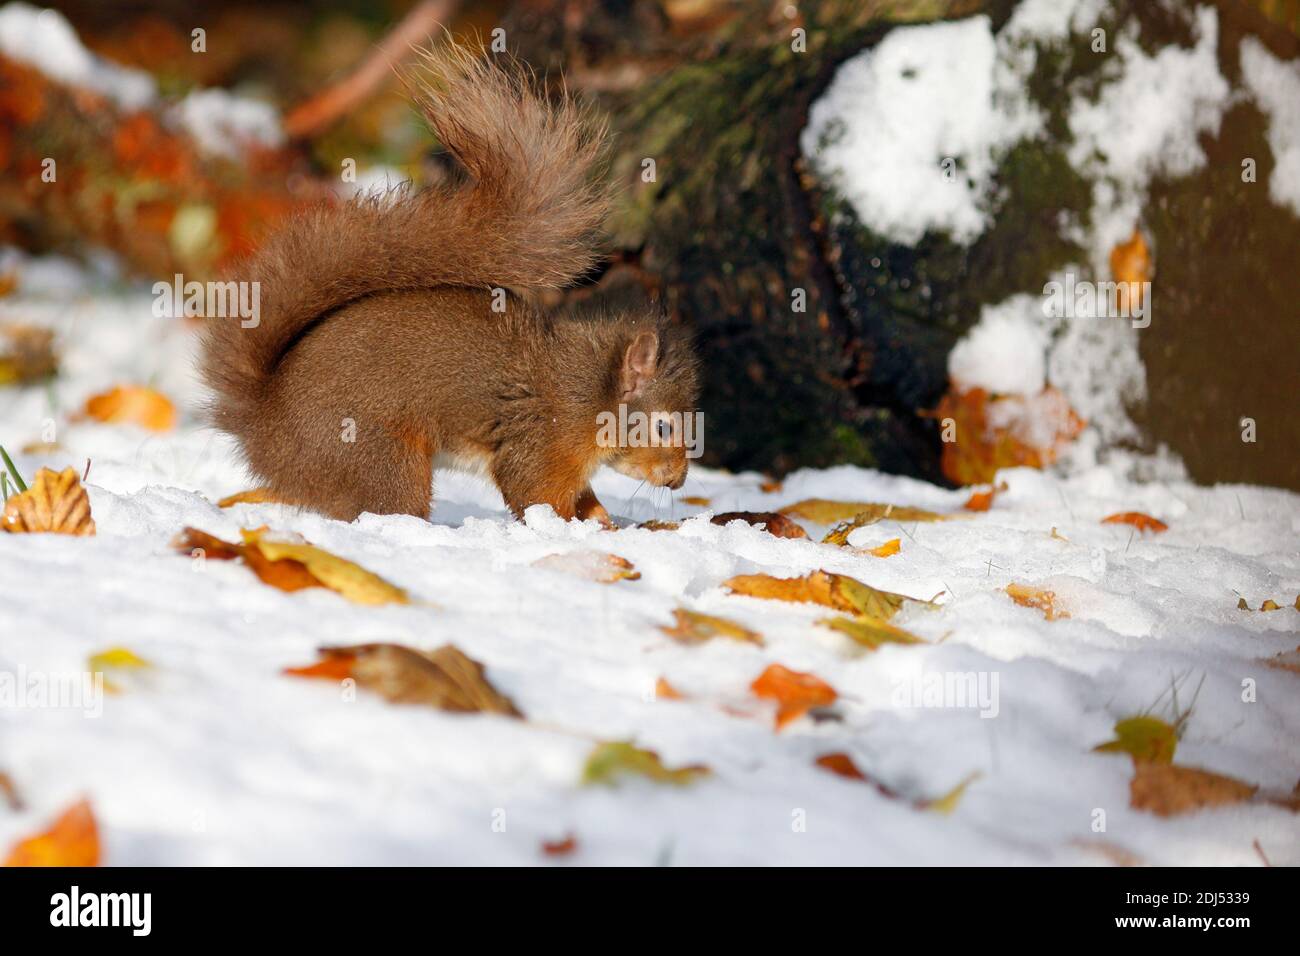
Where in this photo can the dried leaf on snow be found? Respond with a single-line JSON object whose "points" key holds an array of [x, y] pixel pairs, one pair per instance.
{"points": [[838, 591], [1166, 790], [72, 840], [26, 354], [444, 678], [795, 692], [338, 574], [1138, 520], [1038, 598], [133, 404], [825, 511], [1145, 739], [55, 503], [617, 758], [590, 565], [692, 627], [870, 632], [774, 523]]}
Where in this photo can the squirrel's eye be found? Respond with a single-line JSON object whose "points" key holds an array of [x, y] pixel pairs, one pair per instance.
{"points": [[665, 430]]}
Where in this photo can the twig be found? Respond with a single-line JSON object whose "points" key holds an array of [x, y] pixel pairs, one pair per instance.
{"points": [[312, 117]]}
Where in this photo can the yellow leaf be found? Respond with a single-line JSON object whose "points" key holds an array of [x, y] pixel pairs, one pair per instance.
{"points": [[823, 511], [948, 802], [886, 550], [1145, 739], [133, 404], [870, 633], [55, 503], [338, 574], [613, 759], [115, 659], [837, 591], [692, 627]]}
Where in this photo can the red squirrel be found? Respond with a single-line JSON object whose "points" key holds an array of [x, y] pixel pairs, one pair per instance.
{"points": [[378, 349]]}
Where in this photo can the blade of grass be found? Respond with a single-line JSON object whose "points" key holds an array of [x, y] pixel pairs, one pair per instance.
{"points": [[13, 470]]}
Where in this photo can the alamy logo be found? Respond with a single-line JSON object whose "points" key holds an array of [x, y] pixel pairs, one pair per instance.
{"points": [[637, 429], [967, 690], [209, 300], [1084, 299], [103, 909], [38, 690]]}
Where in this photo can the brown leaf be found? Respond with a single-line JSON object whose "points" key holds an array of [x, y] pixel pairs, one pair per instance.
{"points": [[72, 840], [795, 692], [1167, 790], [774, 523], [1038, 598], [823, 511], [10, 793], [692, 627], [338, 574], [842, 765], [695, 501], [444, 678], [1138, 520], [55, 502], [590, 565], [1286, 661], [655, 525]]}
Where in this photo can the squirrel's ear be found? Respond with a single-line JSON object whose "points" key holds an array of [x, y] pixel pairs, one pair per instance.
{"points": [[639, 364]]}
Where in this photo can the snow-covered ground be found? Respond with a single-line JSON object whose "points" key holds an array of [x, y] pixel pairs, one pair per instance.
{"points": [[215, 757]]}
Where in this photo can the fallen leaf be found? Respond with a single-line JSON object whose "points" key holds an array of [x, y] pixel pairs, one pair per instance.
{"points": [[254, 496], [1111, 852], [1038, 598], [286, 574], [774, 523], [590, 565], [1270, 605], [26, 354], [331, 668], [133, 404], [869, 632], [560, 847], [10, 793], [666, 691], [655, 525], [1138, 520], [842, 765], [115, 659], [695, 501], [1167, 790], [1286, 661], [947, 803], [838, 591], [72, 840], [338, 574], [444, 678], [770, 485], [613, 759], [1130, 263], [824, 511], [55, 503], [983, 500], [692, 627], [1145, 739], [41, 448], [1058, 536], [886, 550], [993, 432], [192, 540], [795, 692]]}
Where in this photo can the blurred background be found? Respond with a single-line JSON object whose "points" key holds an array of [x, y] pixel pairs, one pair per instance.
{"points": [[750, 143]]}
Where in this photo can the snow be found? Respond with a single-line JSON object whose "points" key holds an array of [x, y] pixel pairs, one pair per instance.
{"points": [[225, 125], [909, 131], [46, 40], [214, 757], [1276, 88], [1005, 351]]}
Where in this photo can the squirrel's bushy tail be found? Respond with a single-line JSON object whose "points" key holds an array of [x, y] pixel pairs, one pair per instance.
{"points": [[526, 218]]}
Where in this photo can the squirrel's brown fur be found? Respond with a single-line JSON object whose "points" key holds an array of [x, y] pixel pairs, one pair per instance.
{"points": [[377, 324]]}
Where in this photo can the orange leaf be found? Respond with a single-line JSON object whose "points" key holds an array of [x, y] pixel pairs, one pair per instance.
{"points": [[254, 496], [192, 539], [1043, 600], [795, 692], [1138, 520], [841, 764], [777, 525], [73, 840], [1130, 263], [666, 691], [992, 432], [286, 574], [983, 500], [887, 549], [695, 501], [133, 404], [54, 503], [331, 668], [560, 847]]}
